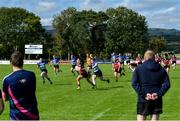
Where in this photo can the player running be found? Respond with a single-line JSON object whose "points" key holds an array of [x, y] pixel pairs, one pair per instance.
{"points": [[158, 58], [117, 67], [89, 64], [121, 60], [173, 61], [55, 62], [42, 67], [82, 74], [139, 59], [97, 72], [166, 63], [73, 64]]}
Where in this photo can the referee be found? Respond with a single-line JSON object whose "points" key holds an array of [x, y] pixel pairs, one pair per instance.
{"points": [[151, 82]]}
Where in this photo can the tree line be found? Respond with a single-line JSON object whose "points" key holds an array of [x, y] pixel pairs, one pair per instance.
{"points": [[119, 30]]}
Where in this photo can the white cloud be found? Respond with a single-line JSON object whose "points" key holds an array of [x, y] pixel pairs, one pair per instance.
{"points": [[46, 21], [97, 5], [44, 6]]}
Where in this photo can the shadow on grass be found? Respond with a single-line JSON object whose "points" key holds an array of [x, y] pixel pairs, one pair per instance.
{"points": [[62, 84], [106, 88]]}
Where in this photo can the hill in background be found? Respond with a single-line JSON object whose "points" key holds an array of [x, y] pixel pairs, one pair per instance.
{"points": [[171, 35]]}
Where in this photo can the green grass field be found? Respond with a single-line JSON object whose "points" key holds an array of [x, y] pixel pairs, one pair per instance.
{"points": [[114, 101]]}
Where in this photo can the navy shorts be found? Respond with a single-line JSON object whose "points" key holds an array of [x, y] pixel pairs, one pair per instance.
{"points": [[44, 70], [98, 73], [149, 108], [56, 66]]}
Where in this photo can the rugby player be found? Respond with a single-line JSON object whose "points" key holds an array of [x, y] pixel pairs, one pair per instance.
{"points": [[19, 89], [73, 63], [117, 67], [82, 74], [173, 61], [158, 58], [97, 72], [42, 66], [139, 59], [89, 64], [55, 62], [122, 69], [166, 62]]}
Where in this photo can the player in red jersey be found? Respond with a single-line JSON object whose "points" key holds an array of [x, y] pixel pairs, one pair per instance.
{"points": [[158, 58], [116, 67], [166, 62], [173, 61], [139, 59], [82, 74]]}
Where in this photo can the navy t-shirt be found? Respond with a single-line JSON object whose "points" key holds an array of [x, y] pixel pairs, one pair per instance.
{"points": [[20, 87]]}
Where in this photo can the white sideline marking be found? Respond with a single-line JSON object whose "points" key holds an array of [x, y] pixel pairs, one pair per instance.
{"points": [[100, 114]]}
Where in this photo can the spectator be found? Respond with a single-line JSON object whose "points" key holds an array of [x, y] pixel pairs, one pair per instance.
{"points": [[19, 89], [151, 82]]}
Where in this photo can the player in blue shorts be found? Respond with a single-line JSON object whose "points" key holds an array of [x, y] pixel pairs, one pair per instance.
{"points": [[97, 72], [42, 67], [19, 89], [55, 62]]}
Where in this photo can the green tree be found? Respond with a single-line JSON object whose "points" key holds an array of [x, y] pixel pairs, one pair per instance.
{"points": [[157, 44], [126, 31], [19, 27], [63, 25], [79, 31]]}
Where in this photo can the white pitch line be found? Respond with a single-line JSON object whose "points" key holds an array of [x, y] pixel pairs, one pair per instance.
{"points": [[100, 114]]}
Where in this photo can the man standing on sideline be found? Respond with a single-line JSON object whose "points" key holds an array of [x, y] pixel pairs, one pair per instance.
{"points": [[19, 89], [151, 82]]}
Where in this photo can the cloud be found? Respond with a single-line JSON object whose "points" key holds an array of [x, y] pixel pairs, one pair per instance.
{"points": [[159, 13], [46, 21], [97, 5], [44, 6]]}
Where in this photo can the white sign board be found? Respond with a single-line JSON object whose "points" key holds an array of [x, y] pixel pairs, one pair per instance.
{"points": [[33, 49]]}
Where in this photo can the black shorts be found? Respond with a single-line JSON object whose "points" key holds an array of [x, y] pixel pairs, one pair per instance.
{"points": [[84, 75], [90, 66], [149, 108], [98, 73], [44, 70], [166, 66], [139, 62], [173, 62], [56, 66], [122, 62], [128, 61], [73, 66]]}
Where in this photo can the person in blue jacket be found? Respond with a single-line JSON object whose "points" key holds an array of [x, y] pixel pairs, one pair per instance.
{"points": [[151, 82]]}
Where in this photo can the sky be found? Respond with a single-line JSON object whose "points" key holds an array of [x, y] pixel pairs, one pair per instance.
{"points": [[158, 13]]}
